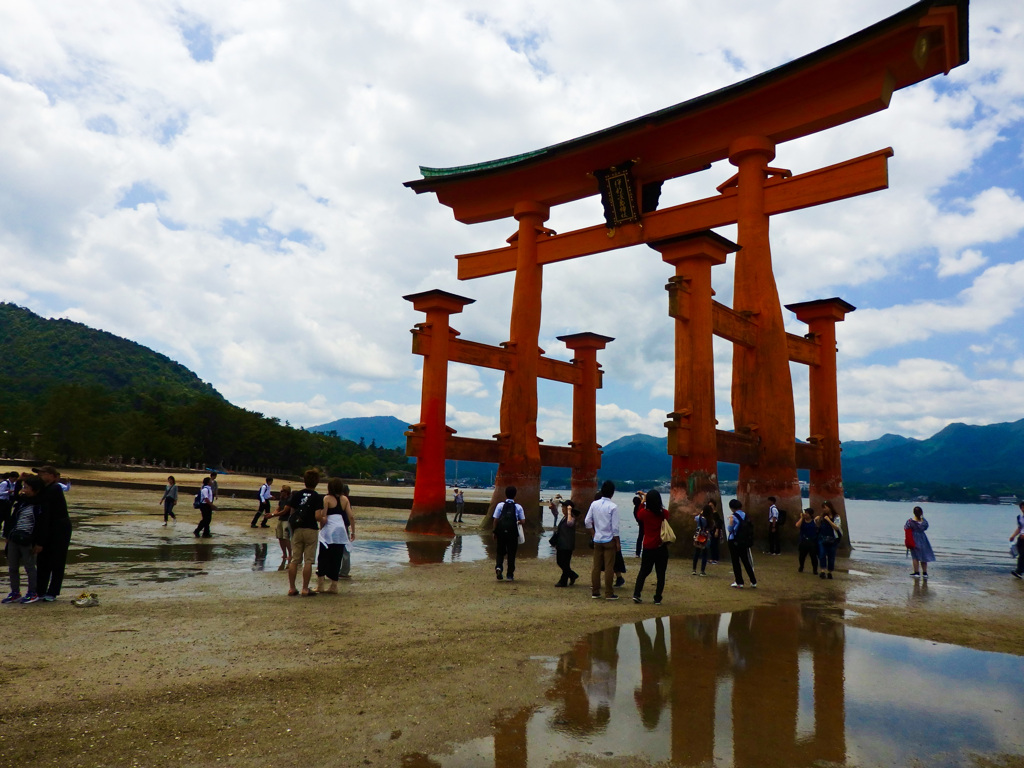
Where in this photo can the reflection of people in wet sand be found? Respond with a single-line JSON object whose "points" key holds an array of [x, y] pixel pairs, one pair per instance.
{"points": [[599, 679], [921, 553], [652, 694]]}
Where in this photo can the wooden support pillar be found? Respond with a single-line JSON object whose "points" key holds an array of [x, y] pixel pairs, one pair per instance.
{"points": [[521, 467], [692, 439], [762, 388], [428, 502], [827, 482], [584, 415]]}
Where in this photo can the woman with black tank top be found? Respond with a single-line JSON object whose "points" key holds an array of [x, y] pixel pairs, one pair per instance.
{"points": [[334, 538]]}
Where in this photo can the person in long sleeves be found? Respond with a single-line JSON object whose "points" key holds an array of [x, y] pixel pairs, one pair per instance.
{"points": [[922, 553]]}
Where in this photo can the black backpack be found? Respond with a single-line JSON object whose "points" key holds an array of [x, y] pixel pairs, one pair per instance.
{"points": [[507, 520], [197, 501], [744, 536]]}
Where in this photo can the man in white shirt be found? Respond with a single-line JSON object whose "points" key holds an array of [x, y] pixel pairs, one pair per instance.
{"points": [[205, 510], [602, 521], [264, 508]]}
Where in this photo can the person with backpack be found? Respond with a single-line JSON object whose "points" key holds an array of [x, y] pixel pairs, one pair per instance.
{"points": [[204, 503], [1018, 572], [264, 506], [701, 538], [302, 511], [740, 531], [506, 522], [830, 531]]}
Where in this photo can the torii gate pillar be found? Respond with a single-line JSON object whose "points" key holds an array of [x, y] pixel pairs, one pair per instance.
{"points": [[762, 388], [428, 501], [827, 482], [584, 415], [521, 466], [692, 439]]}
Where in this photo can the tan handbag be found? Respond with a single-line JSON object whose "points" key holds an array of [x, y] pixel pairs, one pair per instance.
{"points": [[668, 536]]}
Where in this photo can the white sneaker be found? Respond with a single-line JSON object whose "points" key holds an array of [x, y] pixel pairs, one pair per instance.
{"points": [[86, 600], [736, 586]]}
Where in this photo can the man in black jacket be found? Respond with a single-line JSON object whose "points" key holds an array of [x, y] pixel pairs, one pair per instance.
{"points": [[55, 537]]}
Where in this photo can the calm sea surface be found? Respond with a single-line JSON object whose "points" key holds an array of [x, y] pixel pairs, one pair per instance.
{"points": [[962, 535]]}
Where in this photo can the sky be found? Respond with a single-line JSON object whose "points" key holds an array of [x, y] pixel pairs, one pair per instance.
{"points": [[223, 183]]}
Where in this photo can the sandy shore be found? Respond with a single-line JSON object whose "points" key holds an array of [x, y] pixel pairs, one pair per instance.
{"points": [[225, 669]]}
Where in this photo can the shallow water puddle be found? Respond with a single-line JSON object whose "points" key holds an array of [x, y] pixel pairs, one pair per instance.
{"points": [[785, 685], [104, 553]]}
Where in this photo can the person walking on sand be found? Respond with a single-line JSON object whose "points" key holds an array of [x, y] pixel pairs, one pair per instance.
{"points": [[921, 553], [638, 501], [169, 499], [264, 507], [830, 531], [333, 538], [602, 521], [213, 485], [655, 553], [553, 506], [808, 539], [564, 539], [506, 522], [205, 510], [1018, 572], [302, 511], [740, 531]]}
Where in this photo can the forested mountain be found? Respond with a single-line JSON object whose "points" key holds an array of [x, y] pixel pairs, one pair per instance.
{"points": [[386, 431], [69, 393]]}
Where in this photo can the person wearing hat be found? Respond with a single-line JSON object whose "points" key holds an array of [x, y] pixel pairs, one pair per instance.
{"points": [[55, 535]]}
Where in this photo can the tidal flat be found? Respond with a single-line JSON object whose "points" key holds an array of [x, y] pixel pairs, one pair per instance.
{"points": [[196, 656]]}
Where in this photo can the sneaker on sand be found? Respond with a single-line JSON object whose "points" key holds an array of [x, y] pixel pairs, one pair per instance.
{"points": [[612, 597], [498, 575], [14, 597], [736, 586], [657, 601], [48, 598], [595, 595], [637, 599], [86, 600], [31, 597], [1012, 573]]}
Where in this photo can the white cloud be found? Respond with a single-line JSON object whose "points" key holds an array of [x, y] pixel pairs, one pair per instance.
{"points": [[264, 238]]}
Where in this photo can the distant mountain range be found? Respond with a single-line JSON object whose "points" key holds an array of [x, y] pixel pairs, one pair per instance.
{"points": [[385, 431], [960, 454]]}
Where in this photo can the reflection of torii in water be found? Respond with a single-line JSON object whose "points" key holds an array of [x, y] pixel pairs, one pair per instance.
{"points": [[743, 123]]}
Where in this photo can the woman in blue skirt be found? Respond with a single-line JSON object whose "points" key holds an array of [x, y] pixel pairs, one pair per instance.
{"points": [[921, 553]]}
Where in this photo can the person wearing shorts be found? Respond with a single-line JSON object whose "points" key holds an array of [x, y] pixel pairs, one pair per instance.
{"points": [[301, 510]]}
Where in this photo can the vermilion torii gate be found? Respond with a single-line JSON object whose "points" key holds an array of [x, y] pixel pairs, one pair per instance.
{"points": [[627, 164]]}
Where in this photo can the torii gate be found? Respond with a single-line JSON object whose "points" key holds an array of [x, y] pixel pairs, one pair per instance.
{"points": [[627, 164]]}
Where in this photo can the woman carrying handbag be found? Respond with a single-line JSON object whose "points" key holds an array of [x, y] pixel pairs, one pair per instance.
{"points": [[655, 552]]}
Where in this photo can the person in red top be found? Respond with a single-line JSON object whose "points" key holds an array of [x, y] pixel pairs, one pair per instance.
{"points": [[655, 552]]}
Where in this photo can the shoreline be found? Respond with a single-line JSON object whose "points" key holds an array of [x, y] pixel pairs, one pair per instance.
{"points": [[224, 668]]}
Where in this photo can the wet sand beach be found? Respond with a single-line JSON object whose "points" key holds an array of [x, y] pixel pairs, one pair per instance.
{"points": [[201, 662]]}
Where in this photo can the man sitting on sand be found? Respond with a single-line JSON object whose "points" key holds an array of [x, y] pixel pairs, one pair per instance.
{"points": [[301, 510]]}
